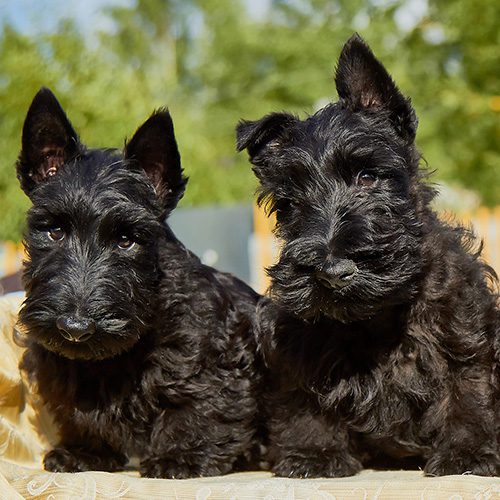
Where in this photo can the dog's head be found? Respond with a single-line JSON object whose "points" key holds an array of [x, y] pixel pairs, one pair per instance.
{"points": [[93, 231], [347, 192]]}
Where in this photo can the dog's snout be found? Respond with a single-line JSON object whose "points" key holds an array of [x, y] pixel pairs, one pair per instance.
{"points": [[337, 274], [75, 329]]}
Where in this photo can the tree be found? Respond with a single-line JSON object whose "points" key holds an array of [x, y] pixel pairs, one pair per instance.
{"points": [[454, 55], [213, 63]]}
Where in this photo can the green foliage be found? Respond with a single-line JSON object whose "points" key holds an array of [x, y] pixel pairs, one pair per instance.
{"points": [[454, 85], [213, 64]]}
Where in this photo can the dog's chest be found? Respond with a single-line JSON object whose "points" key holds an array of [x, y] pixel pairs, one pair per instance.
{"points": [[118, 423], [381, 391], [117, 410], [96, 400]]}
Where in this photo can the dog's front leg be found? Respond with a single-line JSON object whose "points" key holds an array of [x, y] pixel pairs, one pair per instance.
{"points": [[465, 419], [304, 443], [190, 443], [79, 453]]}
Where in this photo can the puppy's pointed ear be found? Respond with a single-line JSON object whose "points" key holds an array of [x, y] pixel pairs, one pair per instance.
{"points": [[154, 149], [268, 131], [49, 141], [364, 83]]}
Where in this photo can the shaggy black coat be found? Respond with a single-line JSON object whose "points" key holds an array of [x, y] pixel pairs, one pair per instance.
{"points": [[381, 326], [136, 347]]}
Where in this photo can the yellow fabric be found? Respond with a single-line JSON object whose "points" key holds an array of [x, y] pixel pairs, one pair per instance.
{"points": [[26, 432]]}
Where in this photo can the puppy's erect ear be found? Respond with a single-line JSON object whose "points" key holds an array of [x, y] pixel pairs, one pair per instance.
{"points": [[49, 141], [363, 83], [267, 131], [154, 149]]}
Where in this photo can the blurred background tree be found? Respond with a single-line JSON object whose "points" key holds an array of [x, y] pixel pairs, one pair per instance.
{"points": [[216, 61]]}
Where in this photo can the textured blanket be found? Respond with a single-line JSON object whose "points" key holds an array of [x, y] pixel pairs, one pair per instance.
{"points": [[26, 432]]}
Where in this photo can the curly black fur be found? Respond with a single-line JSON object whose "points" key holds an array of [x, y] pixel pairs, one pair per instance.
{"points": [[165, 369], [395, 365]]}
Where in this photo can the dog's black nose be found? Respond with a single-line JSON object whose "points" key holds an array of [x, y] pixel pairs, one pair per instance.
{"points": [[75, 329], [337, 274]]}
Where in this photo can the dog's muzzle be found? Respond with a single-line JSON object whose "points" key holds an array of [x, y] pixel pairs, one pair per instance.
{"points": [[75, 329], [337, 274]]}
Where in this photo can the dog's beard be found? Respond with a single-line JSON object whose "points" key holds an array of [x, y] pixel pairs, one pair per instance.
{"points": [[381, 282], [122, 309], [111, 338], [115, 333]]}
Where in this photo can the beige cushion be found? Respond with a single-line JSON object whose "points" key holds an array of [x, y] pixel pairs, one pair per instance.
{"points": [[26, 431]]}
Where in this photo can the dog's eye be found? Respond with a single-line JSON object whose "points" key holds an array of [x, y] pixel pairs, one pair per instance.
{"points": [[56, 234], [366, 178], [125, 242]]}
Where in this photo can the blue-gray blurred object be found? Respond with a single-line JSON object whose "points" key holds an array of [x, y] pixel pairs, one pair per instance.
{"points": [[218, 235]]}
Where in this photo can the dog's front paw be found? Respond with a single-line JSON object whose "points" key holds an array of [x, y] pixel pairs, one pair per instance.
{"points": [[480, 464], [336, 465], [78, 460], [166, 469], [62, 460]]}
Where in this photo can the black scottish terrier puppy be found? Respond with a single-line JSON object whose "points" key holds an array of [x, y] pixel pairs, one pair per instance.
{"points": [[381, 329], [136, 347]]}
